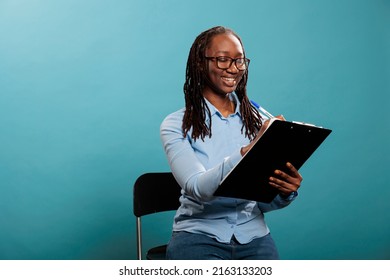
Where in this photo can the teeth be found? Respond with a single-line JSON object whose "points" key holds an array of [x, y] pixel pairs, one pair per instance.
{"points": [[228, 79]]}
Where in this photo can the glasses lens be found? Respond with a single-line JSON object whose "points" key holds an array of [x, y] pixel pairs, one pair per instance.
{"points": [[241, 63], [224, 62]]}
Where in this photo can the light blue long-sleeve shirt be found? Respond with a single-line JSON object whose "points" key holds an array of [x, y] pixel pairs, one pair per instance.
{"points": [[199, 166]]}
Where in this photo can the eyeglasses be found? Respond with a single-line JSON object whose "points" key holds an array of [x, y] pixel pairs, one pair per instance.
{"points": [[225, 62]]}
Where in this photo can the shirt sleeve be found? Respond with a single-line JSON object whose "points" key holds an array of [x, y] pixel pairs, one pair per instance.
{"points": [[191, 175], [279, 202]]}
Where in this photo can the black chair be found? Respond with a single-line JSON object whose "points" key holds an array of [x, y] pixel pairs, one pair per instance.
{"points": [[154, 193]]}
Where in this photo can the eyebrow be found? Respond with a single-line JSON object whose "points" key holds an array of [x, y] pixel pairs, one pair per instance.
{"points": [[226, 52]]}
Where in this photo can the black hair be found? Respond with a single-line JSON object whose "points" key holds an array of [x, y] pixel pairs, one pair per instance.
{"points": [[196, 76]]}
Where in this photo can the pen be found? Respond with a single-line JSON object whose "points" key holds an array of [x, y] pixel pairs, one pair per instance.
{"points": [[262, 110], [265, 112]]}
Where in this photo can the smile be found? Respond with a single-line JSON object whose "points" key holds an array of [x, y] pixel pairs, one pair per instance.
{"points": [[229, 81]]}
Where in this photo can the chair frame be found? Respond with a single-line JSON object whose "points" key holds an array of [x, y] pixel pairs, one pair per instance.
{"points": [[153, 192]]}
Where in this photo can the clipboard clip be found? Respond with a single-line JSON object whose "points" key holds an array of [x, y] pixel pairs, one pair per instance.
{"points": [[270, 116], [309, 124]]}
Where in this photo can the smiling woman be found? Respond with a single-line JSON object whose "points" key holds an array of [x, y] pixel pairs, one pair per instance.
{"points": [[203, 142]]}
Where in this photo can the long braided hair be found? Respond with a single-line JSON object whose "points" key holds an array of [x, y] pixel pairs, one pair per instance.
{"points": [[196, 107]]}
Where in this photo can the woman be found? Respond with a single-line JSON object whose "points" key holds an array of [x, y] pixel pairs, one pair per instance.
{"points": [[203, 142]]}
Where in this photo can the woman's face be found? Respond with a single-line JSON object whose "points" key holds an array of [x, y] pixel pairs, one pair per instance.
{"points": [[224, 81]]}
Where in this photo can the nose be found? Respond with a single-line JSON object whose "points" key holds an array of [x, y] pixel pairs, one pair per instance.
{"points": [[233, 68]]}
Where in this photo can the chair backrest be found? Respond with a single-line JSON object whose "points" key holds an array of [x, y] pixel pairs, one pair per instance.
{"points": [[155, 192]]}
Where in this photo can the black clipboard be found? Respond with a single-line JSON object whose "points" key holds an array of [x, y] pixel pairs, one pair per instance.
{"points": [[282, 142]]}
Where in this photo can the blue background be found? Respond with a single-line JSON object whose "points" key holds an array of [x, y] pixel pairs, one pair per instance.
{"points": [[84, 86]]}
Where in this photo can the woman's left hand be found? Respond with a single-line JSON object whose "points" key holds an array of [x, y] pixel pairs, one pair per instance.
{"points": [[286, 182]]}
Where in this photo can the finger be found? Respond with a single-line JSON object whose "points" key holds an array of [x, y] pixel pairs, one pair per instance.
{"points": [[281, 189], [286, 181], [283, 185], [293, 171], [291, 167], [286, 177]]}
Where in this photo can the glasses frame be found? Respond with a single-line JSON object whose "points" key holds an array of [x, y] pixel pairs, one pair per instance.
{"points": [[246, 60]]}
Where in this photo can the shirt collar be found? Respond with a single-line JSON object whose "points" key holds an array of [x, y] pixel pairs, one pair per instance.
{"points": [[214, 110]]}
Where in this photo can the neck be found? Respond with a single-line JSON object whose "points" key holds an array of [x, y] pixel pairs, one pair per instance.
{"points": [[220, 101]]}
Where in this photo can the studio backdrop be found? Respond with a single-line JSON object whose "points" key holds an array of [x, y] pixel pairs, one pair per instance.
{"points": [[84, 86]]}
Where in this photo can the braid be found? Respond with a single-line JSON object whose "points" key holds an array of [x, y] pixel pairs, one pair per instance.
{"points": [[196, 107], [251, 118]]}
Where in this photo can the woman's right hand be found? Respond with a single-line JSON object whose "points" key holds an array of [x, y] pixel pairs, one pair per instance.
{"points": [[246, 148]]}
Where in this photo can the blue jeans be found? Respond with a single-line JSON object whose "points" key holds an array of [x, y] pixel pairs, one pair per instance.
{"points": [[191, 246]]}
